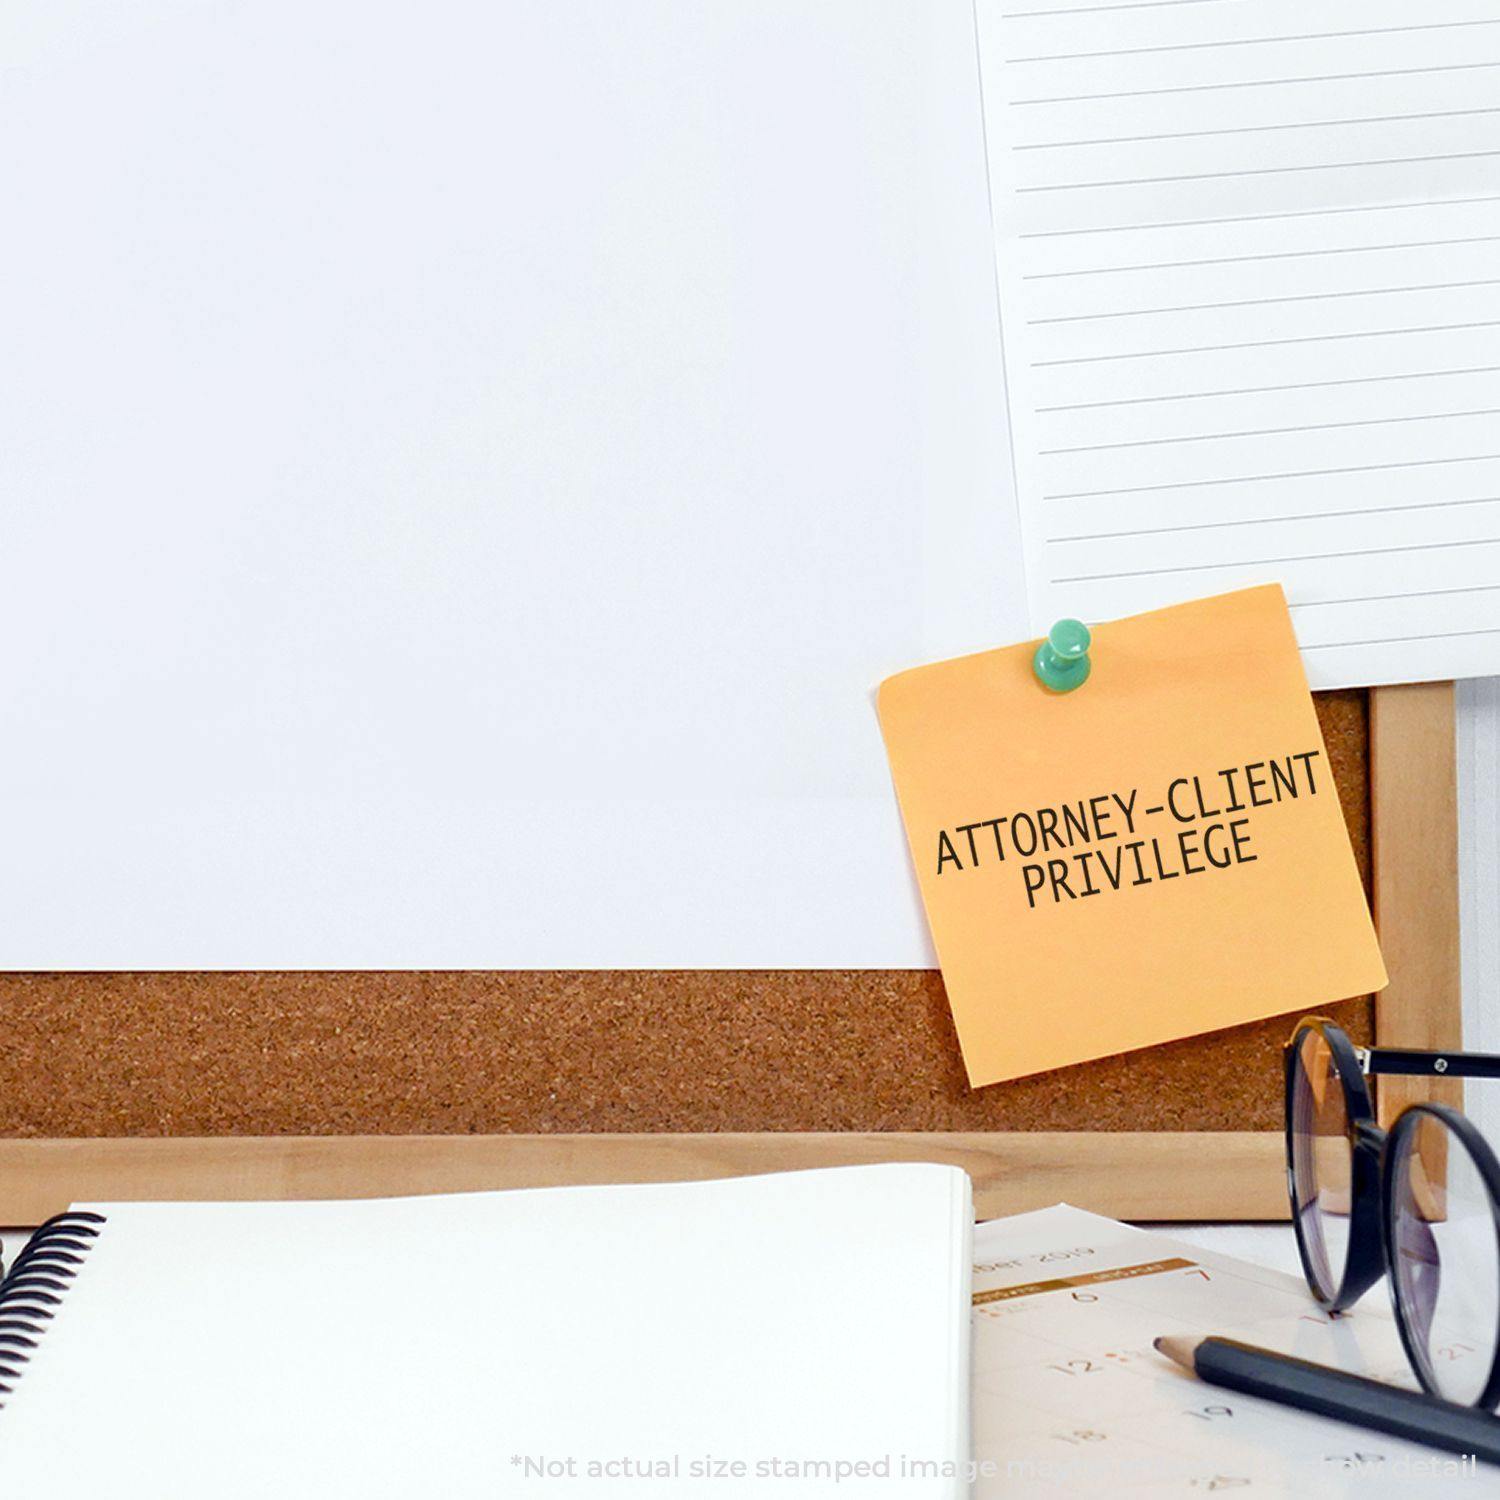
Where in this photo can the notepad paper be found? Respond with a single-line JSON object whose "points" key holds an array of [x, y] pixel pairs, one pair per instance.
{"points": [[738, 1338], [1248, 266], [1071, 1400], [1157, 853]]}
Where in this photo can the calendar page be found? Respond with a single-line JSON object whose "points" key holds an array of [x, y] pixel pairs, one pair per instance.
{"points": [[1070, 1398]]}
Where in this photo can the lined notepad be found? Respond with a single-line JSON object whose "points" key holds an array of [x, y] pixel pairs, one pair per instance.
{"points": [[1249, 259]]}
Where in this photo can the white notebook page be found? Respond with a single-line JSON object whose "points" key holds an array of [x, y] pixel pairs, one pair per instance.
{"points": [[397, 1349], [1250, 291]]}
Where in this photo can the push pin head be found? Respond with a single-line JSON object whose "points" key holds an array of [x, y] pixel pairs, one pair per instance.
{"points": [[1061, 662]]}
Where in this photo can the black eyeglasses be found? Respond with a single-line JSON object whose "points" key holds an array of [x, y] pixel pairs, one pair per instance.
{"points": [[1420, 1203]]}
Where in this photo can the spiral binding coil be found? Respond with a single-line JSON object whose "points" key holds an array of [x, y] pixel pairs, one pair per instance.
{"points": [[30, 1292]]}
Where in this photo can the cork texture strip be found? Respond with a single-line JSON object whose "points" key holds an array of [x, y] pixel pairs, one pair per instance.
{"points": [[323, 1053]]}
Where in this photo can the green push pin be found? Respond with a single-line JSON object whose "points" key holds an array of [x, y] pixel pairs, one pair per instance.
{"points": [[1062, 660]]}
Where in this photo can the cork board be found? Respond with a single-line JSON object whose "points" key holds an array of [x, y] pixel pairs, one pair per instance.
{"points": [[465, 1053], [710, 1056]]}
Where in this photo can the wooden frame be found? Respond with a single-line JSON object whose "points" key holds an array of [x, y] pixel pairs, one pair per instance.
{"points": [[1184, 1175], [1414, 833]]}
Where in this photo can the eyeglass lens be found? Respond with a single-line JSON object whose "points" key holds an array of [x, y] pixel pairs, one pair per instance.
{"points": [[1447, 1259], [1322, 1162]]}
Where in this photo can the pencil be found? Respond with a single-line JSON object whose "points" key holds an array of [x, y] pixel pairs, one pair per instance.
{"points": [[1331, 1393]]}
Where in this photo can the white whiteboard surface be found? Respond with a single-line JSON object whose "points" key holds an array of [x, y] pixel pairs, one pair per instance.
{"points": [[463, 468]]}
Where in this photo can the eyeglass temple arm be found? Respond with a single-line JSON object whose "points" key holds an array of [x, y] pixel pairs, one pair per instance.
{"points": [[1401, 1063]]}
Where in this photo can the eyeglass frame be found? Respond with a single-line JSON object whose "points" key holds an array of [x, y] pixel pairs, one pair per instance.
{"points": [[1374, 1153]]}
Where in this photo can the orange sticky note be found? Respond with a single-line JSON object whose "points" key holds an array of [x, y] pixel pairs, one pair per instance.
{"points": [[1157, 853]]}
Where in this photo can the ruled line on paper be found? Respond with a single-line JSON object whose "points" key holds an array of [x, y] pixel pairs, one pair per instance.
{"points": [[1250, 432], [1313, 338], [1373, 291], [1260, 83], [1301, 213], [1240, 260], [1317, 166], [1194, 484], [1467, 588], [1271, 562], [1401, 640], [1304, 515], [1188, 135], [1090, 10], [1261, 390], [1258, 41]]}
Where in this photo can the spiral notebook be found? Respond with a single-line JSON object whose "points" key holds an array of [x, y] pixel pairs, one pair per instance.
{"points": [[727, 1338]]}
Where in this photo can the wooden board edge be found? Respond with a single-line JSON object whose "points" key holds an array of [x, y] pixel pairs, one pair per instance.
{"points": [[1414, 844], [1188, 1175]]}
